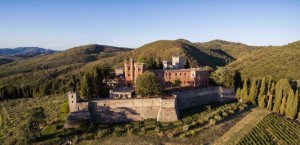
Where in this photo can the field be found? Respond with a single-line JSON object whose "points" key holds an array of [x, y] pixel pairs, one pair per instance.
{"points": [[13, 114], [272, 130], [247, 123]]}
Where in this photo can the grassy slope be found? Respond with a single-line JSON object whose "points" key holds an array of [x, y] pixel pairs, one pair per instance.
{"points": [[278, 62]]}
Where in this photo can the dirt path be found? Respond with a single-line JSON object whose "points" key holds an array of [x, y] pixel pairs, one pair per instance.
{"points": [[242, 126]]}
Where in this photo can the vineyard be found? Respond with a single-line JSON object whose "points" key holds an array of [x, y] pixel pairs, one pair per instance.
{"points": [[272, 130]]}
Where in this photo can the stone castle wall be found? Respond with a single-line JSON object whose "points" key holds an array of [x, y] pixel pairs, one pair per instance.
{"points": [[164, 110]]}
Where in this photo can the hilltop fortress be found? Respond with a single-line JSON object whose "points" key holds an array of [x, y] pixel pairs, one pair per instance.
{"points": [[123, 105]]}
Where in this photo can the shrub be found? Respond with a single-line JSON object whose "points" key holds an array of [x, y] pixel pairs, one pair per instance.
{"points": [[225, 114], [64, 107], [218, 117], [212, 122], [102, 133], [241, 108], [171, 135], [143, 129], [158, 129], [118, 131], [130, 131], [231, 111], [186, 127]]}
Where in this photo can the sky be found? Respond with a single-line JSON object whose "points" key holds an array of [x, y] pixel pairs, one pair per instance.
{"points": [[62, 24]]}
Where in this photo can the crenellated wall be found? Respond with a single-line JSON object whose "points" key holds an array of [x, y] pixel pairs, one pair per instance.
{"points": [[162, 109]]}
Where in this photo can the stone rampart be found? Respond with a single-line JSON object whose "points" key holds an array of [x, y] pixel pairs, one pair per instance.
{"points": [[162, 109]]}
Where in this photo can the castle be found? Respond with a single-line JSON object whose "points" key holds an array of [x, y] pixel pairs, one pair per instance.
{"points": [[194, 77], [123, 106]]}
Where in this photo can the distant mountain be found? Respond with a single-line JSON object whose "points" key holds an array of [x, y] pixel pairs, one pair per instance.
{"points": [[8, 55], [25, 51]]}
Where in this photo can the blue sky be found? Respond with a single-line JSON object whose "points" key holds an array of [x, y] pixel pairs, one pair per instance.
{"points": [[61, 24]]}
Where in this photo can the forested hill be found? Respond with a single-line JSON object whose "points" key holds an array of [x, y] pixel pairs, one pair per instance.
{"points": [[165, 49], [277, 62], [57, 68], [230, 49]]}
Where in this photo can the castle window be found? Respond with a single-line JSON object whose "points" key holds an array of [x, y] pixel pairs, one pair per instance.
{"points": [[129, 75], [169, 74], [180, 74], [185, 74], [72, 101], [128, 68], [72, 96], [175, 74]]}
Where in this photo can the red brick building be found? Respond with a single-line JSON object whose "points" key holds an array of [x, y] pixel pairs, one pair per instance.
{"points": [[188, 77]]}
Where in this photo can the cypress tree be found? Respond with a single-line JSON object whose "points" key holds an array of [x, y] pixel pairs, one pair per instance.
{"points": [[86, 91], [238, 92], [97, 82], [278, 96], [252, 93], [244, 91], [289, 104], [271, 94], [262, 90], [283, 104], [262, 102], [294, 107]]}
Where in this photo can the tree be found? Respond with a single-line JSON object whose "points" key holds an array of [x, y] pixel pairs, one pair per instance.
{"points": [[292, 109], [224, 76], [86, 84], [271, 94], [176, 83], [289, 104], [253, 91], [262, 102], [187, 64], [238, 92], [278, 97], [148, 61], [32, 128], [148, 84], [244, 91], [159, 63], [283, 104], [97, 81], [262, 91]]}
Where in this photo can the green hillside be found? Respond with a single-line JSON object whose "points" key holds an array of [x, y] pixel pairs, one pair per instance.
{"points": [[49, 72], [278, 62], [165, 49], [230, 49]]}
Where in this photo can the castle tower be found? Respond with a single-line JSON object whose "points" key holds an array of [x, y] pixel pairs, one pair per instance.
{"points": [[72, 98], [129, 72], [178, 62], [165, 64]]}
